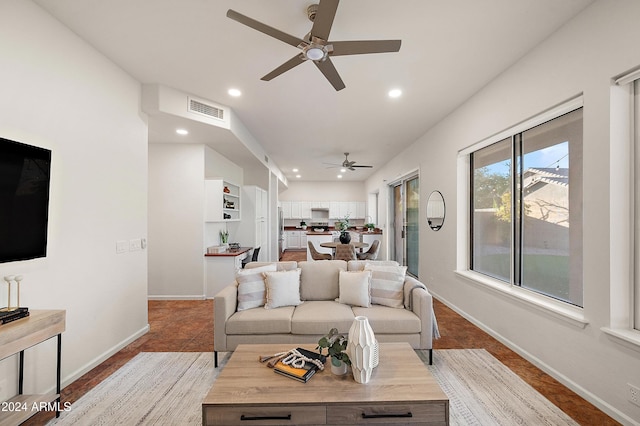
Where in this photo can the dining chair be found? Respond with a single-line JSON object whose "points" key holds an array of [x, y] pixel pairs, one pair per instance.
{"points": [[345, 252], [254, 258], [316, 255], [372, 253]]}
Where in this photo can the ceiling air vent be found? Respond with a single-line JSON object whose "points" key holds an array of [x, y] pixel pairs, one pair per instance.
{"points": [[205, 109]]}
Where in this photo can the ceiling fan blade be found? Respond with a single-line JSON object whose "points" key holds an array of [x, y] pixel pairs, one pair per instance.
{"points": [[359, 47], [296, 60], [324, 18], [329, 71], [266, 29], [368, 167]]}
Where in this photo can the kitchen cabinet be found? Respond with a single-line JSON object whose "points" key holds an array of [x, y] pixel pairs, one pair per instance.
{"points": [[286, 209], [305, 210], [337, 209], [253, 230], [296, 239], [222, 201]]}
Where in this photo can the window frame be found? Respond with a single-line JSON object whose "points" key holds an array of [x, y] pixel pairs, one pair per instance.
{"points": [[572, 314], [624, 232]]}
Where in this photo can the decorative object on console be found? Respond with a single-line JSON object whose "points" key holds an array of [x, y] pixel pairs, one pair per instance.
{"points": [[224, 237], [361, 349], [9, 279], [336, 345], [303, 225], [226, 190], [370, 226]]}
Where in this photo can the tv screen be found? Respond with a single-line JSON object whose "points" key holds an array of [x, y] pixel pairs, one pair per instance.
{"points": [[24, 200]]}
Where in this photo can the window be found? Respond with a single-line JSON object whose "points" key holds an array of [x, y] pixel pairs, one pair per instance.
{"points": [[526, 208]]}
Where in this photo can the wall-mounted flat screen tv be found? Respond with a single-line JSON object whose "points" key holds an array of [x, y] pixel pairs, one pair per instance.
{"points": [[24, 200]]}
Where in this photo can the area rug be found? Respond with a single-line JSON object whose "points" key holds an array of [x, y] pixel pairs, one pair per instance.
{"points": [[483, 391], [168, 388]]}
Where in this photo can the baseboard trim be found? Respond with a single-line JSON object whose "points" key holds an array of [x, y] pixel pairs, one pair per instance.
{"points": [[566, 381], [176, 297], [67, 380]]}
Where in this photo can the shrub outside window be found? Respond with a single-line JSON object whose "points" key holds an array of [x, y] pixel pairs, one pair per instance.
{"points": [[526, 201]]}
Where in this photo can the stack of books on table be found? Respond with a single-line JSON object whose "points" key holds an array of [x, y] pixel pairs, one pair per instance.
{"points": [[300, 374], [7, 315]]}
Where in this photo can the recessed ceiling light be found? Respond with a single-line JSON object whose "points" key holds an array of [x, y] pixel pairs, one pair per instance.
{"points": [[294, 170], [234, 92], [339, 176], [395, 93], [182, 131], [343, 170], [298, 176]]}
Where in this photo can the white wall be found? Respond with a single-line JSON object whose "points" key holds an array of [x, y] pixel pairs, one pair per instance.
{"points": [[582, 57], [59, 93], [176, 221], [324, 191]]}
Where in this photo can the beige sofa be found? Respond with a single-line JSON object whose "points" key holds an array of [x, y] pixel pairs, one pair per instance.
{"points": [[305, 323]]}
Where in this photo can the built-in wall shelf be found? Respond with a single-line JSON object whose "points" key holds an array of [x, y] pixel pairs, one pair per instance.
{"points": [[222, 201]]}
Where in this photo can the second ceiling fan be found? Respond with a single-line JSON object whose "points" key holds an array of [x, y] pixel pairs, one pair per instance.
{"points": [[316, 46]]}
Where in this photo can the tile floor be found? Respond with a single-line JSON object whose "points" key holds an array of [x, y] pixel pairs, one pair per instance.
{"points": [[194, 333]]}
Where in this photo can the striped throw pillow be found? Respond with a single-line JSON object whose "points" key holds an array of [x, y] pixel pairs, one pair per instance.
{"points": [[387, 284], [251, 290]]}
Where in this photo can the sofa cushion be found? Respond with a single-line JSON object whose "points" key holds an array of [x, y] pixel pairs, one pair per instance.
{"points": [[319, 280], [261, 321], [358, 265], [386, 320], [251, 289], [319, 316], [280, 266], [283, 288], [355, 288], [387, 285]]}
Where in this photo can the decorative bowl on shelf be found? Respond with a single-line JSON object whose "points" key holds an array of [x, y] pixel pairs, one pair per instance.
{"points": [[318, 229]]}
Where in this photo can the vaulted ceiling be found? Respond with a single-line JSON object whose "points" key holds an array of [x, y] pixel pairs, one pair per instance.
{"points": [[450, 50]]}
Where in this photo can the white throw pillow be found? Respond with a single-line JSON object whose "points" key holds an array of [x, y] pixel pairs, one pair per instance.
{"points": [[283, 288], [355, 288], [387, 283], [251, 290]]}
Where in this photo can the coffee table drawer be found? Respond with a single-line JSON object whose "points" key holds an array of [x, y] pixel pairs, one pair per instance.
{"points": [[276, 415], [389, 414]]}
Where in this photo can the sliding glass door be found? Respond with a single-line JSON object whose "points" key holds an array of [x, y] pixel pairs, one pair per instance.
{"points": [[404, 236]]}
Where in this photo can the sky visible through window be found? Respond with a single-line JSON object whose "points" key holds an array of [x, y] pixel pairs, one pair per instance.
{"points": [[552, 156]]}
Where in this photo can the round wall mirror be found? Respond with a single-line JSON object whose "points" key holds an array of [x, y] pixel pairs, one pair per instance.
{"points": [[435, 210]]}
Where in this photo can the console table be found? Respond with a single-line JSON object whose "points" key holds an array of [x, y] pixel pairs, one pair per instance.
{"points": [[22, 334]]}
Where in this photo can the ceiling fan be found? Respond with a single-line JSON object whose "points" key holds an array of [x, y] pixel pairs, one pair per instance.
{"points": [[351, 165], [316, 46]]}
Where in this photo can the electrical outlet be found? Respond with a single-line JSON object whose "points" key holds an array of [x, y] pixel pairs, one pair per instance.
{"points": [[634, 394]]}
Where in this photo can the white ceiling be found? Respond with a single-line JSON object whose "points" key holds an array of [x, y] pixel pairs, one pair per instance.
{"points": [[450, 50]]}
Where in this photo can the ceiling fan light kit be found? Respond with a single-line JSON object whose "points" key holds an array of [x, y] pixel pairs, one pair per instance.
{"points": [[316, 47]]}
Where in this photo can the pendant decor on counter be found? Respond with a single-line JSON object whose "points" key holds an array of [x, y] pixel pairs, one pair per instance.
{"points": [[345, 237], [361, 348]]}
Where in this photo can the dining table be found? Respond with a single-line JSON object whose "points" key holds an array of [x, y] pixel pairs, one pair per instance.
{"points": [[334, 244]]}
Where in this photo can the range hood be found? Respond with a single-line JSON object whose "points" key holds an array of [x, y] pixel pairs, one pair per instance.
{"points": [[318, 215]]}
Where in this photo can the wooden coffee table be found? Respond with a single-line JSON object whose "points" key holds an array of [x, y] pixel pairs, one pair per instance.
{"points": [[401, 391]]}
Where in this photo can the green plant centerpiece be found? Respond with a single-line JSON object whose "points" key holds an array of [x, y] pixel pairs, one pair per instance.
{"points": [[370, 226], [343, 227], [336, 344]]}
